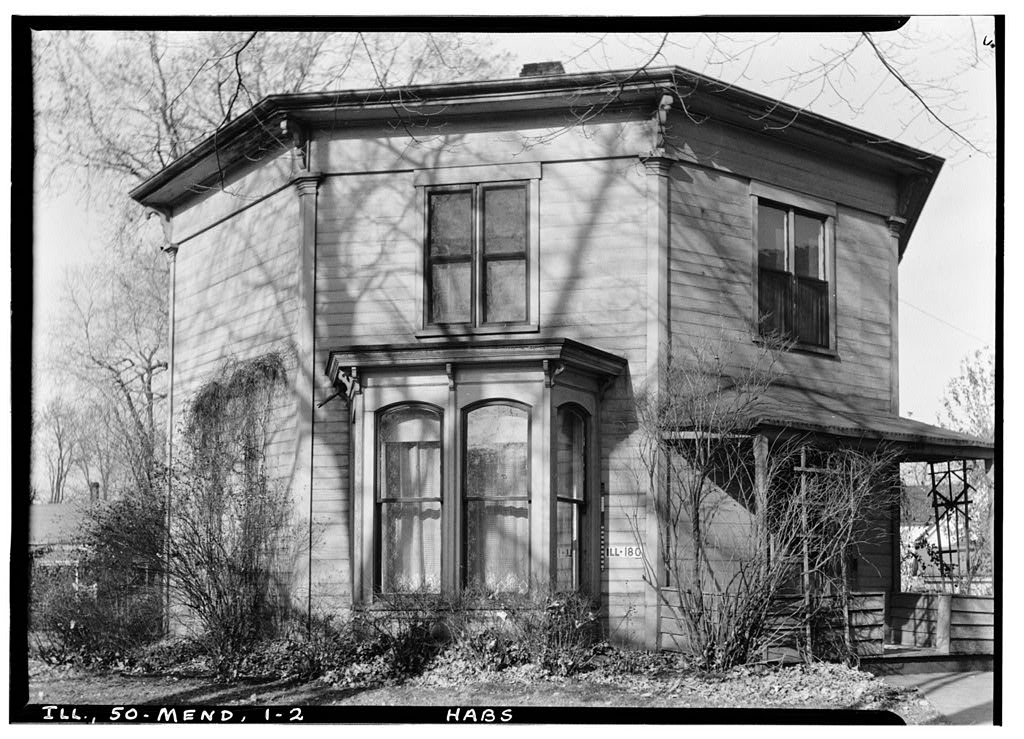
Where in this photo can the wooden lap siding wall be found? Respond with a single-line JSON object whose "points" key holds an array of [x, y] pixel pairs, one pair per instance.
{"points": [[711, 296], [711, 274], [236, 299], [593, 274]]}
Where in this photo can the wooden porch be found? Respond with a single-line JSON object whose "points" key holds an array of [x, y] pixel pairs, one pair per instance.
{"points": [[935, 632], [891, 633]]}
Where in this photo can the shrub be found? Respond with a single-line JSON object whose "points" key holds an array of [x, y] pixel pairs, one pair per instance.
{"points": [[556, 632], [228, 514], [570, 631], [97, 624], [109, 602], [171, 656]]}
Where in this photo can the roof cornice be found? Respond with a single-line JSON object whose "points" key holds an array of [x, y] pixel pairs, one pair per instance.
{"points": [[258, 131]]}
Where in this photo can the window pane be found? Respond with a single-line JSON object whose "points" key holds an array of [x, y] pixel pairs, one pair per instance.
{"points": [[412, 470], [505, 291], [771, 237], [811, 311], [410, 547], [775, 303], [497, 454], [505, 220], [497, 466], [451, 223], [567, 546], [497, 544], [450, 293], [570, 454], [570, 482], [809, 247], [409, 464]]}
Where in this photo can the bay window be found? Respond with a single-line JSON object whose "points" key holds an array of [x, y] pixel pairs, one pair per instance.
{"points": [[478, 471]]}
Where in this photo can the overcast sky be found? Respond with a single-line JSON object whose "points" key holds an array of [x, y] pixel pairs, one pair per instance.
{"points": [[947, 278]]}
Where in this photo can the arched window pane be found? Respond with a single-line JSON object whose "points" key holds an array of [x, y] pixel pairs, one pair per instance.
{"points": [[570, 486], [409, 499], [496, 492]]}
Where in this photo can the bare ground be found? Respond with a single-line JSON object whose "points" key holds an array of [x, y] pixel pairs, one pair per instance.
{"points": [[819, 686]]}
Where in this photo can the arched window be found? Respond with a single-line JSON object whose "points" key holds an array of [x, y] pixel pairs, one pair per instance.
{"points": [[496, 498], [409, 500], [570, 460]]}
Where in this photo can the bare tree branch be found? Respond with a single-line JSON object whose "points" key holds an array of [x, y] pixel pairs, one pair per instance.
{"points": [[910, 88]]}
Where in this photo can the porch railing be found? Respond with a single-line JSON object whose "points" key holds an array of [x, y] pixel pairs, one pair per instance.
{"points": [[863, 634], [948, 624]]}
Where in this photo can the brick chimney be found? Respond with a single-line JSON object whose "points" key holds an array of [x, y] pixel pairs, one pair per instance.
{"points": [[541, 69]]}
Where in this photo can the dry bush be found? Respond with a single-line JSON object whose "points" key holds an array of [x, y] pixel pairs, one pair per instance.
{"points": [[733, 532], [229, 516]]}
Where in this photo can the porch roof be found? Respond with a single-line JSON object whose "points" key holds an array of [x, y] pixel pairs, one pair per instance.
{"points": [[793, 409]]}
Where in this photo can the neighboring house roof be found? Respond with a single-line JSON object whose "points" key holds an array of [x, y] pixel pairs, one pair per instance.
{"points": [[270, 125], [796, 409], [56, 524]]}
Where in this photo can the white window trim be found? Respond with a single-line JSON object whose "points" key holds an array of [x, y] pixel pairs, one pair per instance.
{"points": [[828, 210], [524, 172]]}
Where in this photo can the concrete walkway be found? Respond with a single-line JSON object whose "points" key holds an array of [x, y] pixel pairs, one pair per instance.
{"points": [[961, 697]]}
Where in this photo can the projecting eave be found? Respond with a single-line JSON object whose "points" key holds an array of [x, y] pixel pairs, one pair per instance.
{"points": [[269, 126], [539, 352]]}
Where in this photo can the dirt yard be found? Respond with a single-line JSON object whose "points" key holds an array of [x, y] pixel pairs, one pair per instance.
{"points": [[818, 686]]}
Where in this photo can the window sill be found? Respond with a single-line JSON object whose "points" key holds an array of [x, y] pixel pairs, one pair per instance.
{"points": [[400, 602], [804, 349], [434, 332]]}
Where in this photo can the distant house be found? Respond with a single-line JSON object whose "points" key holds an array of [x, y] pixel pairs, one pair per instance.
{"points": [[57, 552], [55, 533], [935, 554], [471, 282]]}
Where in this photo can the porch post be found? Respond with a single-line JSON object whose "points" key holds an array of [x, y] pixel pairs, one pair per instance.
{"points": [[805, 546], [761, 493], [944, 612]]}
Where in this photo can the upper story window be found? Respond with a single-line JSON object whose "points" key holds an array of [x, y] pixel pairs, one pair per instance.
{"points": [[480, 268], [477, 247], [795, 263]]}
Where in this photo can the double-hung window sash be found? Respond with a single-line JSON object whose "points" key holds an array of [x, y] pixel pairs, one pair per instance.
{"points": [[793, 299], [477, 255]]}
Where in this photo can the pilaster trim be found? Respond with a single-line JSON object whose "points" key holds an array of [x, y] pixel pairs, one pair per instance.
{"points": [[659, 165], [307, 183], [658, 195], [896, 225]]}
